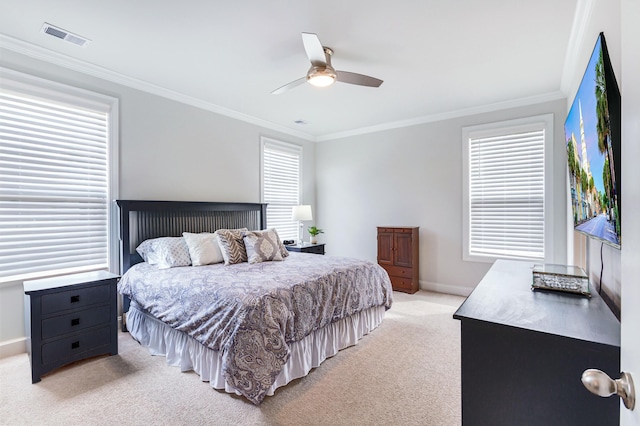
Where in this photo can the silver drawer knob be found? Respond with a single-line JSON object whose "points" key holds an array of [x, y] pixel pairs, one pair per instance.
{"points": [[599, 383]]}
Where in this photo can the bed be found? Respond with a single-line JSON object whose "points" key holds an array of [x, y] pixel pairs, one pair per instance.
{"points": [[246, 327]]}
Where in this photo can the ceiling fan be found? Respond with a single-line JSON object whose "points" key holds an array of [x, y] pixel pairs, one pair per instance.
{"points": [[321, 73]]}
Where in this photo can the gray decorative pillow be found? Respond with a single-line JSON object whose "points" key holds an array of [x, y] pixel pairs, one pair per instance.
{"points": [[262, 246], [283, 250], [232, 245], [165, 252]]}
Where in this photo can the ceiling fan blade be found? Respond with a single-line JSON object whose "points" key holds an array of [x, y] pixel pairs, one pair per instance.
{"points": [[314, 49], [288, 86], [359, 79]]}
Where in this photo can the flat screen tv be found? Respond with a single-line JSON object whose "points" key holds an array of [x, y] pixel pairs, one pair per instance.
{"points": [[592, 132]]}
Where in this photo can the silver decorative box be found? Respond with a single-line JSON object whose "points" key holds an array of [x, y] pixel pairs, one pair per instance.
{"points": [[571, 279]]}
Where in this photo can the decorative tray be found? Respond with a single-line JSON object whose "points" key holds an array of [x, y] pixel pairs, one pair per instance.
{"points": [[571, 279]]}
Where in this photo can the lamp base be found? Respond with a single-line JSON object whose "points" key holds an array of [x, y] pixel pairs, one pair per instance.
{"points": [[300, 237]]}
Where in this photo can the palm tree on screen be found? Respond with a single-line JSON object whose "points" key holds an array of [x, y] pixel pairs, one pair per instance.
{"points": [[603, 129]]}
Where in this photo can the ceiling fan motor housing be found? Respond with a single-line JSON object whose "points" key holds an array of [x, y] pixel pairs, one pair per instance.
{"points": [[322, 75], [316, 73]]}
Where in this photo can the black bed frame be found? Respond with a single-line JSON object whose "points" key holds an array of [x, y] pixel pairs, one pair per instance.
{"points": [[141, 220]]}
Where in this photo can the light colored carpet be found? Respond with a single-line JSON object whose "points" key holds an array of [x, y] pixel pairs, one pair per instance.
{"points": [[406, 372]]}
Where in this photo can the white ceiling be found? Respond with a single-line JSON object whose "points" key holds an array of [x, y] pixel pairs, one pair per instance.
{"points": [[437, 58]]}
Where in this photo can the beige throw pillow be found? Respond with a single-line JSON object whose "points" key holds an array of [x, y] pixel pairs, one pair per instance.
{"points": [[262, 246]]}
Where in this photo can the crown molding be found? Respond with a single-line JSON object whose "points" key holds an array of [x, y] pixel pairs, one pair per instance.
{"points": [[584, 9], [65, 61], [531, 100]]}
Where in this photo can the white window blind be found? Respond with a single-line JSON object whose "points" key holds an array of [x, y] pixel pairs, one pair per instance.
{"points": [[54, 192], [281, 185], [506, 193]]}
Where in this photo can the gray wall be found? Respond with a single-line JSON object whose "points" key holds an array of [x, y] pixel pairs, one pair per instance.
{"points": [[413, 176], [168, 151]]}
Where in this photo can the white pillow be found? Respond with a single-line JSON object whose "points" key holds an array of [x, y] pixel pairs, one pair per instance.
{"points": [[203, 248]]}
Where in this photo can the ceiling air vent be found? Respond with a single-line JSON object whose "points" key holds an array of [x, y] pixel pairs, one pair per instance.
{"points": [[64, 35]]}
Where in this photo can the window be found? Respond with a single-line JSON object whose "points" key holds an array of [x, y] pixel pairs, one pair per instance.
{"points": [[57, 178], [506, 196], [281, 173]]}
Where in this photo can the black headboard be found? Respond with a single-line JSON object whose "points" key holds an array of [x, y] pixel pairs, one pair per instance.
{"points": [[141, 220]]}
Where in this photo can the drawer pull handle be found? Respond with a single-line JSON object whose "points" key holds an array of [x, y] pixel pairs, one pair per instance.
{"points": [[75, 345], [75, 299], [75, 321]]}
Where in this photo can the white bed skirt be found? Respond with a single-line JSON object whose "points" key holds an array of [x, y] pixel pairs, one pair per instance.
{"points": [[185, 352]]}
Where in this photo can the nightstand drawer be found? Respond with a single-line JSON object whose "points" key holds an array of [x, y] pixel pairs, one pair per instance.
{"points": [[307, 248], [315, 249], [74, 299], [70, 347], [76, 321]]}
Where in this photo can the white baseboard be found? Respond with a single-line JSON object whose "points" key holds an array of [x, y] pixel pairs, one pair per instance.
{"points": [[13, 347], [446, 288]]}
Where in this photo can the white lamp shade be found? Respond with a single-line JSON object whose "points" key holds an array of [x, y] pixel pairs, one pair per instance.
{"points": [[301, 213]]}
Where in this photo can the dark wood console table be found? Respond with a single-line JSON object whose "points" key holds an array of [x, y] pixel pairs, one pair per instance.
{"points": [[524, 351]]}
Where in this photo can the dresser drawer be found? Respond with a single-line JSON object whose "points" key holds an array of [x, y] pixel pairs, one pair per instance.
{"points": [[75, 321], [402, 283], [74, 299], [398, 271], [72, 346]]}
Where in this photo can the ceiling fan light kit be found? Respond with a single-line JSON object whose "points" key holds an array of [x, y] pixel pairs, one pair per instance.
{"points": [[322, 73], [321, 78]]}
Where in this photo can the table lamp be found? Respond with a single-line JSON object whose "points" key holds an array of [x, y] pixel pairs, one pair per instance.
{"points": [[301, 213]]}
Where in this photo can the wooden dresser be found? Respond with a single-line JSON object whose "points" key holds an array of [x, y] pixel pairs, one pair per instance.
{"points": [[69, 318], [398, 255]]}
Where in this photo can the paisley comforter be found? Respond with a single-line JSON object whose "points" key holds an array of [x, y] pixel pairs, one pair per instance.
{"points": [[250, 312]]}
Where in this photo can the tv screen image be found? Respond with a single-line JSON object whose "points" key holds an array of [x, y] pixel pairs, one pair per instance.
{"points": [[592, 133]]}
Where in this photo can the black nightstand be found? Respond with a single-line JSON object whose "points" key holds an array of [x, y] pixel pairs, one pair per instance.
{"points": [[307, 248], [70, 318]]}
